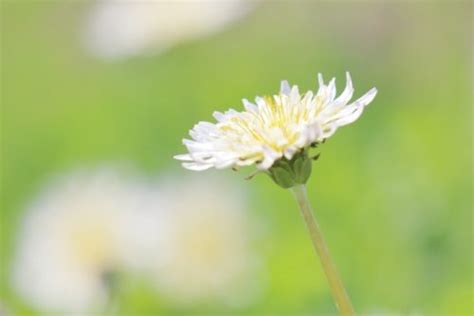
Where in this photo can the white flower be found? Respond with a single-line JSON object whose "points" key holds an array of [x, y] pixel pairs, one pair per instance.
{"points": [[207, 255], [274, 127], [74, 237], [118, 29]]}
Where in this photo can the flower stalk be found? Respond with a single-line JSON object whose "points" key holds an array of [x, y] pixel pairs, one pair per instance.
{"points": [[110, 279], [339, 293], [276, 134]]}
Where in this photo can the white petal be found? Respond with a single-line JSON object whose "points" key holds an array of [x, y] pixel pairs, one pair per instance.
{"points": [[260, 103], [285, 87], [329, 131], [265, 164], [204, 126], [194, 146], [269, 158], [346, 95], [185, 157], [231, 112], [331, 89], [352, 112], [249, 106], [289, 152], [196, 166], [320, 80], [294, 94], [314, 131], [225, 164], [368, 97], [219, 116], [322, 87], [347, 119]]}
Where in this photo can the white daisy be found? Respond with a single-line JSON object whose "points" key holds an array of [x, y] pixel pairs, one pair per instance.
{"points": [[273, 128], [207, 256], [117, 29], [72, 241], [276, 134]]}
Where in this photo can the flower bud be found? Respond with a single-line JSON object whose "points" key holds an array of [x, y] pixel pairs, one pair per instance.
{"points": [[288, 173]]}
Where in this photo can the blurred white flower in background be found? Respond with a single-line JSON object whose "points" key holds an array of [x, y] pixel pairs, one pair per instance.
{"points": [[118, 29], [76, 237], [4, 310], [207, 257], [86, 229]]}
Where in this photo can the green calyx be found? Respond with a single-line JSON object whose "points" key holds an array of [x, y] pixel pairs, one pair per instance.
{"points": [[288, 173]]}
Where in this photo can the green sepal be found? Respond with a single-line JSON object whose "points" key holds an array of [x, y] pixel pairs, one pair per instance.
{"points": [[282, 177], [288, 173], [302, 169]]}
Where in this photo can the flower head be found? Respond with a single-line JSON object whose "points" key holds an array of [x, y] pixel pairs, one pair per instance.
{"points": [[71, 242], [274, 129], [207, 254], [117, 29]]}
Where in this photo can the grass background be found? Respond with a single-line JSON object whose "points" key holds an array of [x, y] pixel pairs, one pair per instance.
{"points": [[393, 192]]}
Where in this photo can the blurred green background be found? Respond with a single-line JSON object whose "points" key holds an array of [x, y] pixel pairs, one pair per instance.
{"points": [[393, 192]]}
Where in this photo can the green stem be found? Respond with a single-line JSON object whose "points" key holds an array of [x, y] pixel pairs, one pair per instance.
{"points": [[339, 294], [112, 283]]}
